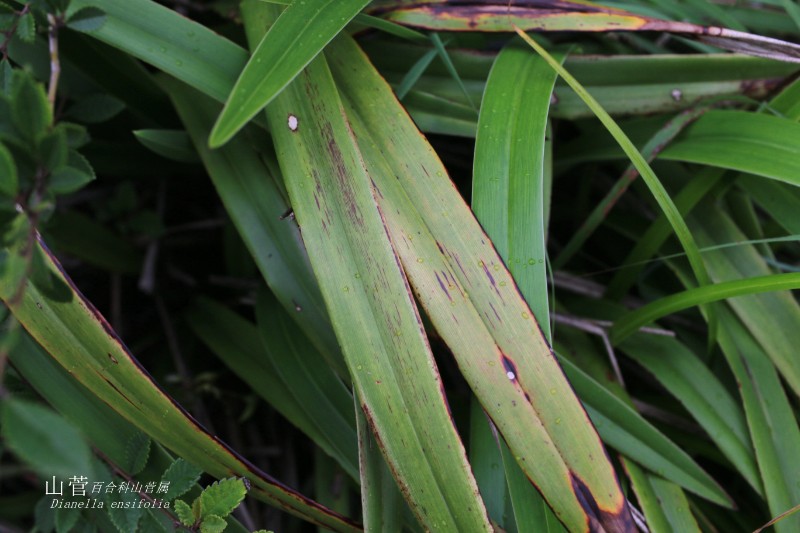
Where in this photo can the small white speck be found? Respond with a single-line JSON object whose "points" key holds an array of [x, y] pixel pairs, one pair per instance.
{"points": [[293, 122], [510, 375], [676, 94]]}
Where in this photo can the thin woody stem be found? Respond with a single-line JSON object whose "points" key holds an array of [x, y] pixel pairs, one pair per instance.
{"points": [[55, 63]]}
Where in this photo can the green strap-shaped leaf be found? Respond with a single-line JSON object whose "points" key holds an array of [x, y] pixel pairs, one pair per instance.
{"points": [[630, 323], [664, 504], [79, 338], [381, 501], [757, 143], [282, 367], [171, 42], [508, 177], [475, 305], [770, 417], [362, 283], [570, 15], [696, 387], [299, 34]]}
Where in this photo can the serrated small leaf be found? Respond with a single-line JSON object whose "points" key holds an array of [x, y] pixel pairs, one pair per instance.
{"points": [[72, 177], [197, 509], [126, 514], [30, 110], [212, 524], [77, 136], [95, 108], [66, 519], [26, 28], [9, 182], [44, 440], [222, 497], [184, 513], [172, 144], [88, 19], [137, 453], [52, 149], [181, 477]]}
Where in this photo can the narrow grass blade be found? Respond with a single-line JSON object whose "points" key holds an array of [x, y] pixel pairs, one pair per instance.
{"points": [[572, 15], [256, 205], [508, 188], [771, 317], [381, 501], [650, 151], [362, 282], [474, 304], [629, 324], [659, 231], [413, 74], [80, 339], [770, 417], [656, 188], [173, 43], [627, 431], [445, 57], [487, 465], [756, 143], [299, 34], [694, 385], [310, 398], [664, 504]]}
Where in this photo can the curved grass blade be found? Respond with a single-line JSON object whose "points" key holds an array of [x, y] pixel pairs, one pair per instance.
{"points": [[656, 188], [757, 143], [474, 304], [362, 283], [80, 339], [170, 42], [508, 187], [310, 398], [571, 15], [299, 34], [650, 151], [659, 231], [629, 324], [772, 317]]}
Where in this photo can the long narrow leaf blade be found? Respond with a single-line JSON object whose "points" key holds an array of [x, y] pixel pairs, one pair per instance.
{"points": [[508, 177], [296, 38], [80, 339], [475, 304], [362, 283]]}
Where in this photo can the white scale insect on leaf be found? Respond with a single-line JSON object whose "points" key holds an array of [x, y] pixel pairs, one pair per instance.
{"points": [[293, 122]]}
